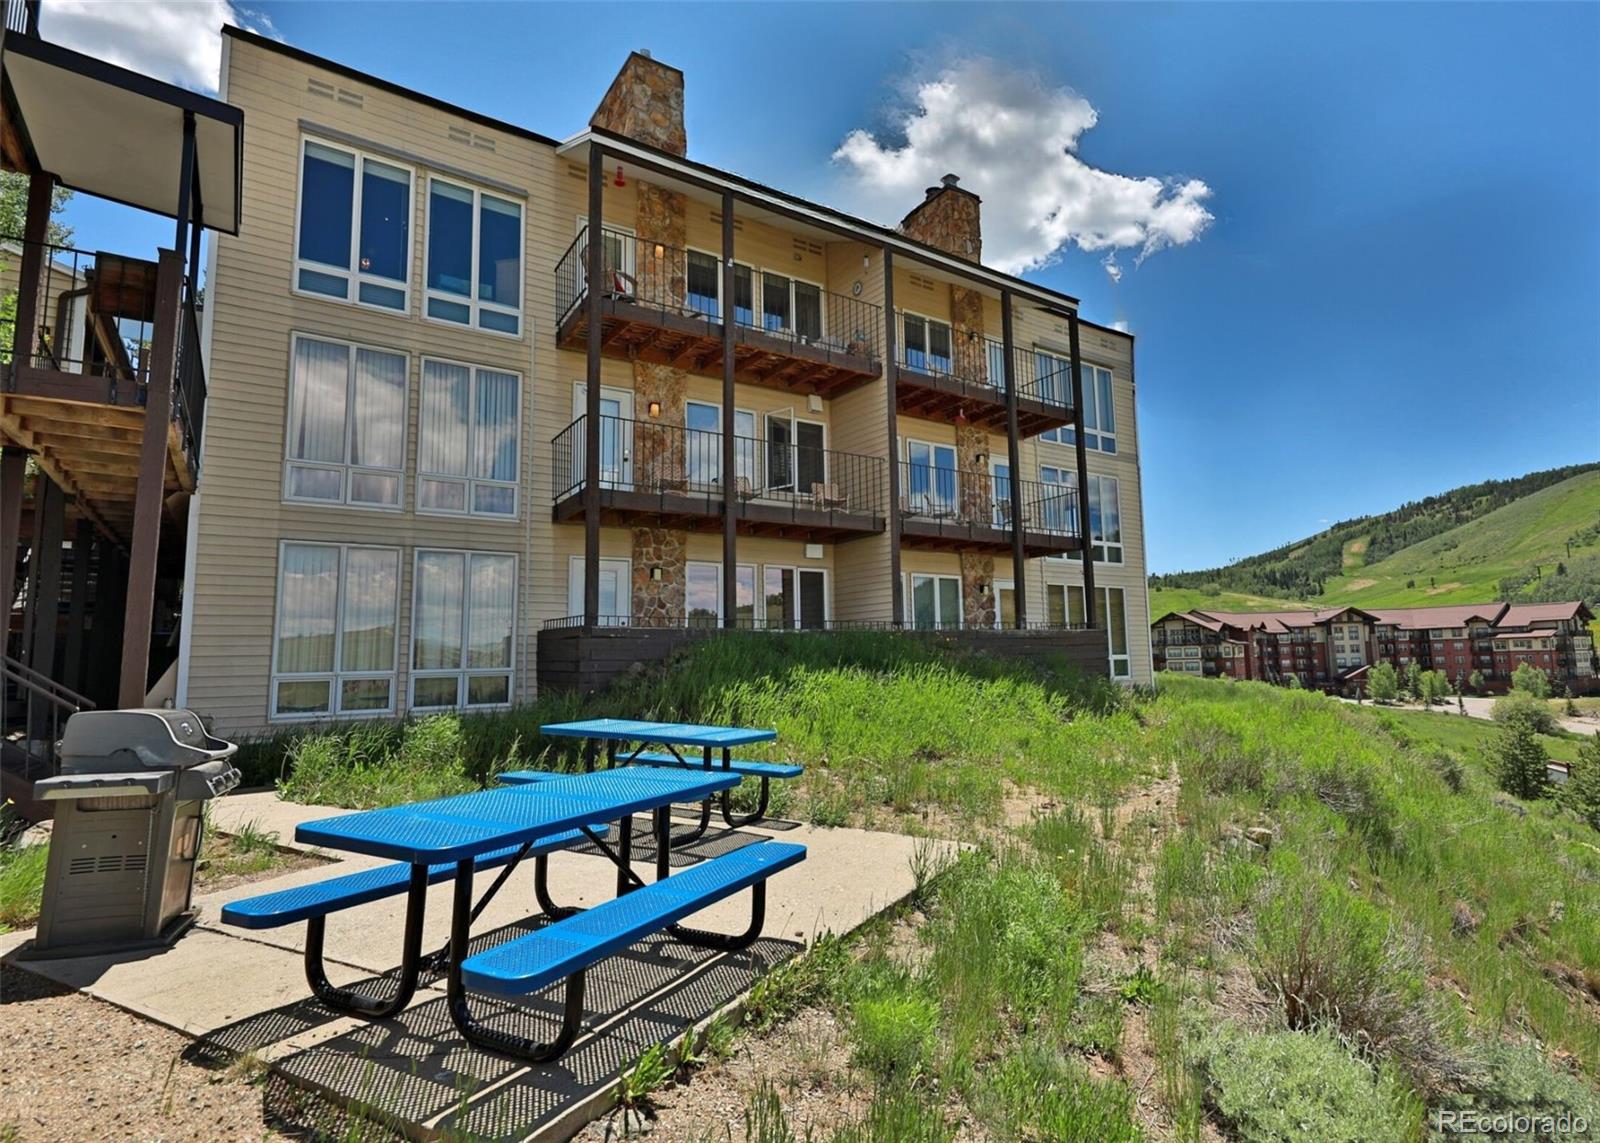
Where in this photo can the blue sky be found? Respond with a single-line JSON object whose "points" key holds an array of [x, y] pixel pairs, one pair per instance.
{"points": [[1398, 288]]}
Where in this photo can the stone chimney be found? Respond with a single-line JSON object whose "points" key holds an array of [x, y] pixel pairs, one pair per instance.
{"points": [[645, 103], [947, 219]]}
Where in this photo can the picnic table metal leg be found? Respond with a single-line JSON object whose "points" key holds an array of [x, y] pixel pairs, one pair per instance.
{"points": [[724, 942], [746, 819], [662, 825], [625, 879], [476, 1033], [541, 891], [346, 1000]]}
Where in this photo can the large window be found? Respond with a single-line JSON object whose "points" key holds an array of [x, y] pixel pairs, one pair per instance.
{"points": [[1099, 412], [1058, 501], [930, 479], [468, 437], [1113, 617], [927, 344], [334, 645], [354, 240], [463, 621], [474, 258], [345, 441], [935, 601], [1052, 383], [795, 597], [702, 603], [1105, 517]]}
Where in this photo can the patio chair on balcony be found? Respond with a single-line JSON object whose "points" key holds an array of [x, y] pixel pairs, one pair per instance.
{"points": [[624, 287], [825, 496]]}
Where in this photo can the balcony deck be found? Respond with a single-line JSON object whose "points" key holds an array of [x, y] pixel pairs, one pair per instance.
{"points": [[801, 339], [655, 473], [961, 378]]}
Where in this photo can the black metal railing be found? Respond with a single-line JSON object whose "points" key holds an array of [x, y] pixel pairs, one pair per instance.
{"points": [[33, 709], [973, 497], [660, 459], [687, 284], [189, 390], [94, 315], [1185, 639], [22, 17], [934, 348]]}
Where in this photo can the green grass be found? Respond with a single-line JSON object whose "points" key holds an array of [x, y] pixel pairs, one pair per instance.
{"points": [[21, 884], [1166, 599]]}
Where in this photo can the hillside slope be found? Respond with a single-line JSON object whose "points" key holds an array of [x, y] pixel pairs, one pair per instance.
{"points": [[1540, 545]]}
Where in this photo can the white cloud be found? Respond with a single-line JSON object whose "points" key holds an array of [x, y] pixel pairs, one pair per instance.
{"points": [[1013, 139], [179, 41]]}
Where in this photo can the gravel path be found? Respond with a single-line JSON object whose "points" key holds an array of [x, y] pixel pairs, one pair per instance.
{"points": [[77, 1068]]}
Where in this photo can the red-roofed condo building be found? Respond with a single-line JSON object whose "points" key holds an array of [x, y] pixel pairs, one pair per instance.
{"points": [[1331, 649]]}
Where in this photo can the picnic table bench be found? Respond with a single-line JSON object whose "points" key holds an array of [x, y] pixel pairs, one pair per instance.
{"points": [[431, 840]]}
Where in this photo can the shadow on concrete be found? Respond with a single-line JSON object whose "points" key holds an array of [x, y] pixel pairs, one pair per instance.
{"points": [[415, 1071]]}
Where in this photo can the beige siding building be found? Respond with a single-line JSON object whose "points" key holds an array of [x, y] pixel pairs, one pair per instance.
{"points": [[427, 477]]}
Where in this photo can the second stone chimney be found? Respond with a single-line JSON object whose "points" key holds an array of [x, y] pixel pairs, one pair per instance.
{"points": [[947, 219], [645, 103]]}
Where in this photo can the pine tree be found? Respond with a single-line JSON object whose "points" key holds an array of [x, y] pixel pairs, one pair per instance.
{"points": [[1582, 791], [1521, 766]]}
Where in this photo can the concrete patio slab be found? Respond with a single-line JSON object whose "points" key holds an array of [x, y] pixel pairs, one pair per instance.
{"points": [[245, 992]]}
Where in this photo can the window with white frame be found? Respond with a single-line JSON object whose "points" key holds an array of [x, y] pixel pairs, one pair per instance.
{"points": [[925, 344], [345, 440], [333, 650], [353, 240], [1099, 412], [1058, 502], [935, 601], [469, 433], [1105, 518], [1052, 384], [702, 602], [1113, 617], [474, 274], [463, 624]]}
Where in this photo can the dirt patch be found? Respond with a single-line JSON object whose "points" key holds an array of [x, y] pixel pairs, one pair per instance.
{"points": [[806, 1059], [1440, 589], [226, 862], [78, 1068], [1359, 583]]}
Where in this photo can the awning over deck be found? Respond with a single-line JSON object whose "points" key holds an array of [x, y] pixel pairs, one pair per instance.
{"points": [[116, 134]]}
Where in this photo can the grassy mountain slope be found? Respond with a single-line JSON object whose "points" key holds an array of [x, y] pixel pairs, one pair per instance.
{"points": [[1541, 544]]}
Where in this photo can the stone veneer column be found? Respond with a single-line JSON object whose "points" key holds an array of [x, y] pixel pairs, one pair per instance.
{"points": [[659, 602], [972, 465], [977, 606], [970, 351], [660, 444]]}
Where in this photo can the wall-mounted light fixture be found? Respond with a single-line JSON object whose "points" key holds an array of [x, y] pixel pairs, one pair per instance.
{"points": [[655, 574], [654, 409], [661, 251], [983, 587], [981, 459]]}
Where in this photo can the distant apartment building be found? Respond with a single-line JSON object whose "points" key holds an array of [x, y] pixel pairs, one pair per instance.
{"points": [[1332, 649], [490, 411]]}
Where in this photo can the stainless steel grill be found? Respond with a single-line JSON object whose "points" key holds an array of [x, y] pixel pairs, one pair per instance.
{"points": [[128, 821]]}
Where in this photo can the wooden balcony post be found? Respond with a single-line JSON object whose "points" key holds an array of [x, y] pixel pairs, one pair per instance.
{"points": [[35, 230], [730, 525], [150, 491], [1019, 558], [1085, 531], [44, 593], [897, 589], [13, 467], [593, 270]]}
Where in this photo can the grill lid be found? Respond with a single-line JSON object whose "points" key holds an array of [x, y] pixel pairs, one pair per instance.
{"points": [[127, 741]]}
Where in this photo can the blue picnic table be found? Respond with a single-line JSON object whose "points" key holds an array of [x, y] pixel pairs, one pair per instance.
{"points": [[632, 741], [454, 836]]}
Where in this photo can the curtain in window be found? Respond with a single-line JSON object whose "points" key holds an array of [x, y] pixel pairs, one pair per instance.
{"points": [[491, 611], [436, 627], [442, 420], [308, 603], [494, 443], [317, 401], [371, 589], [377, 437]]}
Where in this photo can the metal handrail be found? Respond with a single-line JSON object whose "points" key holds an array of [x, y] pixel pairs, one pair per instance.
{"points": [[976, 359], [671, 460], [976, 497], [687, 284], [42, 685]]}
